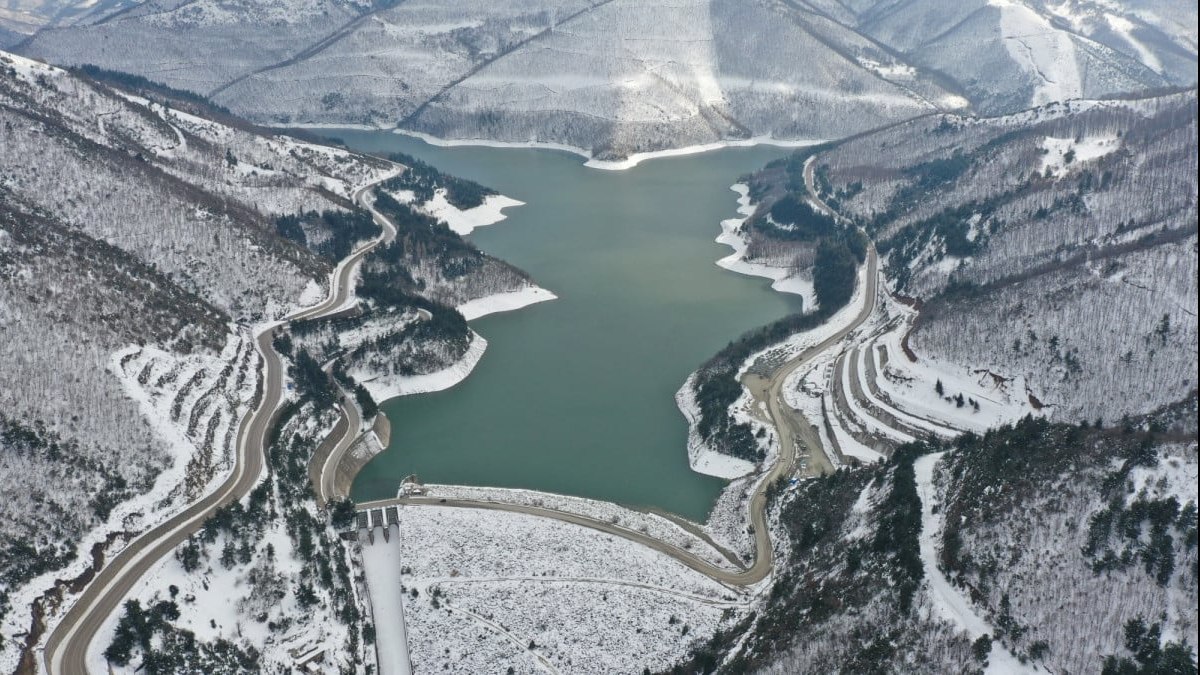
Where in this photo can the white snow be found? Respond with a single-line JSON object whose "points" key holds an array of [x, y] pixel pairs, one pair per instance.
{"points": [[494, 589], [888, 70], [947, 601], [608, 165], [219, 603], [384, 387], [1172, 476], [639, 157], [911, 387], [713, 463], [1038, 48], [28, 69], [464, 222], [1124, 27], [736, 261], [312, 294], [661, 528], [1055, 159], [381, 562], [504, 302]]}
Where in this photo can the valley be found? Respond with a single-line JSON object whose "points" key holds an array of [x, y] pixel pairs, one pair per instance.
{"points": [[576, 395], [598, 336]]}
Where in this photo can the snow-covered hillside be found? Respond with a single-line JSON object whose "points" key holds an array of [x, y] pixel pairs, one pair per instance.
{"points": [[1034, 548], [138, 246], [1055, 246], [616, 77]]}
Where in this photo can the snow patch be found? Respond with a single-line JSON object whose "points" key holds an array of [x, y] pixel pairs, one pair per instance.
{"points": [[464, 222], [736, 262], [387, 387], [312, 294], [504, 302], [1039, 49], [1061, 152], [1172, 476]]}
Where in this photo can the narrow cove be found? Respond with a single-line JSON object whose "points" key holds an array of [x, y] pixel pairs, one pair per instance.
{"points": [[576, 395]]}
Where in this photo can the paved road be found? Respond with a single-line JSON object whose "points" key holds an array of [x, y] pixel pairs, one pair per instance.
{"points": [[326, 482], [66, 648], [792, 428]]}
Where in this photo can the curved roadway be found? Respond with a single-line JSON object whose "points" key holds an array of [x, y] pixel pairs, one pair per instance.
{"points": [[66, 648], [791, 429]]}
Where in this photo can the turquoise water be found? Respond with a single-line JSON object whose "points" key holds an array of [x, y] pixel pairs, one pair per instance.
{"points": [[576, 395]]}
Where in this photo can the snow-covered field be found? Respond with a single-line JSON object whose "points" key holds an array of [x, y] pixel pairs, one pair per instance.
{"points": [[647, 523], [486, 590]]}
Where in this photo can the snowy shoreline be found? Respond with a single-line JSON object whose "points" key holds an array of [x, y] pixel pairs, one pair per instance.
{"points": [[605, 164], [736, 261], [385, 387], [504, 302], [591, 161], [464, 221], [701, 458]]}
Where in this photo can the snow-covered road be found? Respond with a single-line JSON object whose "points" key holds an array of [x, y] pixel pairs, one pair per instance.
{"points": [[948, 602]]}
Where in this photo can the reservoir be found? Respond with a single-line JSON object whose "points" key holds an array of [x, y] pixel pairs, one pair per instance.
{"points": [[576, 395]]}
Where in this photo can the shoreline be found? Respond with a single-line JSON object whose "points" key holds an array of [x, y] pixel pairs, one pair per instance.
{"points": [[387, 387], [507, 301], [589, 158], [608, 164], [736, 262]]}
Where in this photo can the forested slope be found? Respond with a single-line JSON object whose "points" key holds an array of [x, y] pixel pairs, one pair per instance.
{"points": [[1057, 244], [615, 77]]}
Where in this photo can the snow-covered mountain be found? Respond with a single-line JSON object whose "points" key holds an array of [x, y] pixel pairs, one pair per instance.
{"points": [[137, 244], [621, 76], [1055, 246], [145, 237], [1047, 259], [1039, 547]]}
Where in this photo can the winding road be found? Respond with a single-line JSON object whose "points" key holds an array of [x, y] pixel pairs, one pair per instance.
{"points": [[794, 432], [66, 648]]}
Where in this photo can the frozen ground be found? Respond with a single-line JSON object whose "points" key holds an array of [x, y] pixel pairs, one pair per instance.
{"points": [[652, 524], [487, 590], [947, 600]]}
